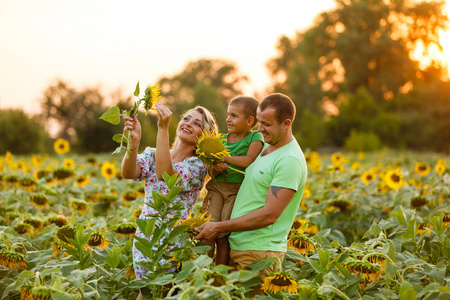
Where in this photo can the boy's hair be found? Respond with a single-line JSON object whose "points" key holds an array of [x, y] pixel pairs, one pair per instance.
{"points": [[283, 105], [248, 104]]}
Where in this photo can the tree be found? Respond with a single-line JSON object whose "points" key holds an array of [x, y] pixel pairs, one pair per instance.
{"points": [[362, 43], [21, 134], [221, 75]]}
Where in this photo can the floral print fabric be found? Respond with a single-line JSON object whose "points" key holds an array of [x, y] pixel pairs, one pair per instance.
{"points": [[192, 172]]}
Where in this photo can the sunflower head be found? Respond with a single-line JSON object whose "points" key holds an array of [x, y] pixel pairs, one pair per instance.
{"points": [[25, 291], [341, 204], [23, 228], [151, 97], [446, 218], [62, 174], [440, 167], [37, 223], [418, 202], [278, 282], [422, 169], [394, 179], [79, 205], [97, 239], [130, 196], [421, 228], [108, 198], [12, 260], [338, 158], [69, 163], [194, 221], [59, 220], [367, 177], [27, 182], [108, 170], [218, 278], [39, 200], [369, 272], [66, 232], [126, 229], [300, 243], [211, 147], [82, 180], [61, 146], [182, 255]]}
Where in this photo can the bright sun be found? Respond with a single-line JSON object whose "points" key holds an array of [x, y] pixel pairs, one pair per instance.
{"points": [[442, 57]]}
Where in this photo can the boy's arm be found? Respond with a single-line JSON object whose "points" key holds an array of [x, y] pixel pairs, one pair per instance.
{"points": [[244, 161]]}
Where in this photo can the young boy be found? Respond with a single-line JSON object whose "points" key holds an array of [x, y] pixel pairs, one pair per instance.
{"points": [[244, 145]]}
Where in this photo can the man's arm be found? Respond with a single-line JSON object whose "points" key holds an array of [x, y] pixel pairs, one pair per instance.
{"points": [[276, 201]]}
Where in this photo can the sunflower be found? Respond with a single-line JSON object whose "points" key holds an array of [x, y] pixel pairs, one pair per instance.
{"points": [[126, 229], [68, 163], [418, 202], [25, 291], [37, 223], [137, 213], [46, 293], [421, 228], [91, 160], [151, 97], [79, 205], [82, 180], [380, 260], [130, 273], [422, 169], [337, 159], [108, 170], [62, 174], [446, 219], [23, 228], [66, 232], [394, 179], [108, 198], [59, 220], [193, 221], [38, 174], [27, 183], [300, 243], [12, 260], [61, 146], [368, 271], [182, 255], [141, 191], [367, 177], [97, 239], [9, 158], [37, 161], [278, 282], [308, 228], [440, 167], [340, 204], [219, 279], [210, 147], [130, 196], [39, 200]]}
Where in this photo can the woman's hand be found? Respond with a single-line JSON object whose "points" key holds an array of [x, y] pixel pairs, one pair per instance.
{"points": [[134, 126], [164, 115]]}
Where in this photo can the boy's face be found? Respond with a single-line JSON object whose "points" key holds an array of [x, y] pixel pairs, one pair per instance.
{"points": [[237, 121]]}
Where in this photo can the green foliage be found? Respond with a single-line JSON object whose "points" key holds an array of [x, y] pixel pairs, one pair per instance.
{"points": [[21, 134], [310, 130], [360, 141], [208, 96]]}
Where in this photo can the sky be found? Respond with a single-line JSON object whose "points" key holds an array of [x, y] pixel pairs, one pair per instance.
{"points": [[114, 44]]}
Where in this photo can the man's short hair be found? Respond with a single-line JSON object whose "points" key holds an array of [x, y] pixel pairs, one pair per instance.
{"points": [[248, 104], [283, 105]]}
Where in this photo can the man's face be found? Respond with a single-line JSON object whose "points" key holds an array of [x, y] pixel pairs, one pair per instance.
{"points": [[269, 127]]}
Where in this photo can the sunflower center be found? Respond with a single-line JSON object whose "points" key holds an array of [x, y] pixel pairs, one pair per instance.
{"points": [[395, 178], [281, 281]]}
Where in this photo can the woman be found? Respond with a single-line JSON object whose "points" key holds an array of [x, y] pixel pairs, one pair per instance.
{"points": [[152, 163]]}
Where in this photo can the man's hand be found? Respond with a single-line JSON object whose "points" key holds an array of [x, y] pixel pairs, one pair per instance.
{"points": [[207, 231]]}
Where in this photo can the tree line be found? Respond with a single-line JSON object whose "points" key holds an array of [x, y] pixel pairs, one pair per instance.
{"points": [[350, 75]]}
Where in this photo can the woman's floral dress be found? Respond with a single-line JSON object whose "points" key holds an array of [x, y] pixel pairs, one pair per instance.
{"points": [[192, 172]]}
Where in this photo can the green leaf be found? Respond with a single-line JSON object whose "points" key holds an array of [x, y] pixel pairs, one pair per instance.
{"points": [[177, 231], [150, 227], [117, 151], [323, 257], [201, 249], [136, 90], [262, 263], [407, 291], [315, 265], [118, 138], [162, 280], [112, 115], [202, 261]]}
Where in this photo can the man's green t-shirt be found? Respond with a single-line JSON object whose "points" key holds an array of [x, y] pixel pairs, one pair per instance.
{"points": [[239, 148], [284, 167]]}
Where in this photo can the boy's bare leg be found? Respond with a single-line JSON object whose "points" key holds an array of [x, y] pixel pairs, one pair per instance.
{"points": [[223, 251]]}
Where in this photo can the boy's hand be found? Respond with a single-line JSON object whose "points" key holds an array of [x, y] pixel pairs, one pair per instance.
{"points": [[220, 167]]}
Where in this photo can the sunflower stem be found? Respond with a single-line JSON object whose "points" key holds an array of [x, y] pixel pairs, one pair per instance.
{"points": [[236, 170], [335, 290]]}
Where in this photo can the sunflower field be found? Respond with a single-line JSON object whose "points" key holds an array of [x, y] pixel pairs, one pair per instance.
{"points": [[370, 226]]}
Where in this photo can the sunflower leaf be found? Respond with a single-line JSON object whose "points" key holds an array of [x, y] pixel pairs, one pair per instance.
{"points": [[118, 138], [136, 90], [117, 151], [112, 115]]}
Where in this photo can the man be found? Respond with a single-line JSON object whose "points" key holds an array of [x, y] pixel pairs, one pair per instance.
{"points": [[270, 194]]}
